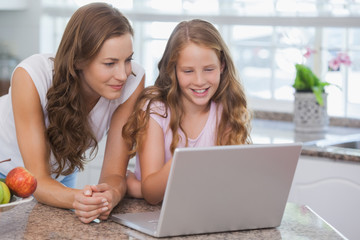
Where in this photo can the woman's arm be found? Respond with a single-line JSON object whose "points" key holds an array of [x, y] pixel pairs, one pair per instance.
{"points": [[116, 157], [154, 170], [30, 133]]}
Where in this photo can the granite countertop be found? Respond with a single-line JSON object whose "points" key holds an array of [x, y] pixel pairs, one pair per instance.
{"points": [[34, 220], [275, 131]]}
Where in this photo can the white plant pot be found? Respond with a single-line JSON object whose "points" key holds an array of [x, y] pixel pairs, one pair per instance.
{"points": [[309, 116]]}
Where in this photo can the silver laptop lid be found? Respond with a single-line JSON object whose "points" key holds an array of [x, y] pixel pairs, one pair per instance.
{"points": [[226, 188]]}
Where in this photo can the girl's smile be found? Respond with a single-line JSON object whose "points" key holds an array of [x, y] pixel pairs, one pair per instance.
{"points": [[200, 92]]}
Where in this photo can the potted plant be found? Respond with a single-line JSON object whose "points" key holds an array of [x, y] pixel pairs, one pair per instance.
{"points": [[310, 105], [307, 81]]}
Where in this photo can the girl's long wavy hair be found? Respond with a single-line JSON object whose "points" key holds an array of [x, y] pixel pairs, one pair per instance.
{"points": [[234, 125], [69, 133]]}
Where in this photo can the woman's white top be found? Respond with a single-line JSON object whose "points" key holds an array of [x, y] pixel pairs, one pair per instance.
{"points": [[40, 68]]}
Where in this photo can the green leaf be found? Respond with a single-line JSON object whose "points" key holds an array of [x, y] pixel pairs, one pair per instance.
{"points": [[305, 79], [318, 91]]}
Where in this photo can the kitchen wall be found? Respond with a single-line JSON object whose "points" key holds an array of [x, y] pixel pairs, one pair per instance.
{"points": [[20, 30]]}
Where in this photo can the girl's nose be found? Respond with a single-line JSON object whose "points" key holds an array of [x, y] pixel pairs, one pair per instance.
{"points": [[199, 78]]}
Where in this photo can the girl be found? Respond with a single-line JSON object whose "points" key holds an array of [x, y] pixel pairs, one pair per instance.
{"points": [[58, 107], [197, 100]]}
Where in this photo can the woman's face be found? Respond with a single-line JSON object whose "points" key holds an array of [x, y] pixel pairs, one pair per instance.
{"points": [[198, 71], [107, 73]]}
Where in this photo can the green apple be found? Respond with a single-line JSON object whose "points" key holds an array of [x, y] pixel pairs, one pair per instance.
{"points": [[6, 193], [1, 194]]}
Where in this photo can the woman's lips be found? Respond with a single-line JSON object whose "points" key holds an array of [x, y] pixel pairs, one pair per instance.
{"points": [[116, 87]]}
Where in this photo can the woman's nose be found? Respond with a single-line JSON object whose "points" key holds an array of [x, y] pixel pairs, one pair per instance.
{"points": [[120, 73]]}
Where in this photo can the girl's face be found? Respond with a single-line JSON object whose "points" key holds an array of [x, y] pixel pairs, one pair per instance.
{"points": [[198, 71], [107, 73]]}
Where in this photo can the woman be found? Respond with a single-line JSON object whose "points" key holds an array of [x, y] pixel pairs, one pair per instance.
{"points": [[58, 107]]}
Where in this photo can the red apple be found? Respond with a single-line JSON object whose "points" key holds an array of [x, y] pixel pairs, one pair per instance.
{"points": [[21, 182]]}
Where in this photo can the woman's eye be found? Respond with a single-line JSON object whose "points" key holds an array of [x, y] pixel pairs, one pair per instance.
{"points": [[187, 71], [129, 59], [109, 64], [209, 69]]}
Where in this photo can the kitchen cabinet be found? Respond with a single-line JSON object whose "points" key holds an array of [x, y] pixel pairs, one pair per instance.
{"points": [[92, 171], [332, 189]]}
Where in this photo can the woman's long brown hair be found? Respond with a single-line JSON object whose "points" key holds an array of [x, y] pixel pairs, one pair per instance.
{"points": [[69, 133], [234, 126]]}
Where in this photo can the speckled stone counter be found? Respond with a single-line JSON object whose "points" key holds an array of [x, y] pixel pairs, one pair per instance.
{"points": [[37, 221], [274, 131]]}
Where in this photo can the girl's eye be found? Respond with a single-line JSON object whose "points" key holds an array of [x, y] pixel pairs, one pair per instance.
{"points": [[109, 64], [129, 59], [187, 71], [208, 69]]}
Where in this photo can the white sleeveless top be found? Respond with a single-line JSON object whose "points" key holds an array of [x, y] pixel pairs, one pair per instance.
{"points": [[40, 68]]}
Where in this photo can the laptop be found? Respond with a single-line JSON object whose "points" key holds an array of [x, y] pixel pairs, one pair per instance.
{"points": [[221, 188]]}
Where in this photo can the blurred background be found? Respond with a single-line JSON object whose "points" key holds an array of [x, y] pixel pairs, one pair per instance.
{"points": [[266, 39]]}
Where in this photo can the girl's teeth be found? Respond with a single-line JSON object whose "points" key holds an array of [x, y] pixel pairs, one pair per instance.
{"points": [[200, 91]]}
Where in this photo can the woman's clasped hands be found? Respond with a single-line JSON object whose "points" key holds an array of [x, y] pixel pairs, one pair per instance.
{"points": [[94, 202]]}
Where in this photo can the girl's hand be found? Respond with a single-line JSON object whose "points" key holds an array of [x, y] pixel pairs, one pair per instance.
{"points": [[88, 205], [133, 185]]}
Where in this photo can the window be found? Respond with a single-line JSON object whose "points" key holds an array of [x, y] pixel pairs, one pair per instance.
{"points": [[266, 38]]}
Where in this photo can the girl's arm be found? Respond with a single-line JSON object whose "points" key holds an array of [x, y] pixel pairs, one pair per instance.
{"points": [[116, 158], [133, 185], [154, 170]]}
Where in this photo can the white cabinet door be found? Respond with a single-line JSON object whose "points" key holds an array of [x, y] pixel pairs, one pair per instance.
{"points": [[332, 189]]}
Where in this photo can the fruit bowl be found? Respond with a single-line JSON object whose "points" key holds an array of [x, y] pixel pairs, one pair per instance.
{"points": [[14, 202]]}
